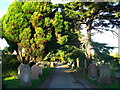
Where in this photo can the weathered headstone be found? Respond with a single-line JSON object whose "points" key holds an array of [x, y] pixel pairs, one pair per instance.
{"points": [[104, 74], [34, 72], [25, 75], [92, 71], [19, 70], [117, 76], [40, 70]]}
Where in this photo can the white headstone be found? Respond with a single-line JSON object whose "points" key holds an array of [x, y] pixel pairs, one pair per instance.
{"points": [[25, 75], [34, 72]]}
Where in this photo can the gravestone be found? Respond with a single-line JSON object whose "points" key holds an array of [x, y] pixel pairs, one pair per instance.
{"points": [[92, 71], [104, 74], [34, 72], [117, 76], [19, 70], [40, 70], [25, 75]]}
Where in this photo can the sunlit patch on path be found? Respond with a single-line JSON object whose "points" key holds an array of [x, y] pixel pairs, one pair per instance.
{"points": [[62, 77]]}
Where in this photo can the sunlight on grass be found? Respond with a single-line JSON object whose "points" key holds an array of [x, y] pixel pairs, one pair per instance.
{"points": [[13, 82], [10, 78], [100, 85]]}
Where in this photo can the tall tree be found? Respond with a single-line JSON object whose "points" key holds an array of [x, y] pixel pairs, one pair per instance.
{"points": [[34, 26], [95, 15], [24, 24]]}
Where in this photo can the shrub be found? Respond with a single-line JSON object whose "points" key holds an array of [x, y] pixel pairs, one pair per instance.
{"points": [[10, 65]]}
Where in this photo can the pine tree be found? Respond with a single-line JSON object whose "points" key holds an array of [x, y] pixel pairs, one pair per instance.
{"points": [[93, 15]]}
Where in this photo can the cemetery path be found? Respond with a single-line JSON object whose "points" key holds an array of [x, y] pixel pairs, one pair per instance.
{"points": [[61, 77]]}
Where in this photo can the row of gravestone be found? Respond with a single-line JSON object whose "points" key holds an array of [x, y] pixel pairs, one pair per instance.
{"points": [[102, 74], [25, 73]]}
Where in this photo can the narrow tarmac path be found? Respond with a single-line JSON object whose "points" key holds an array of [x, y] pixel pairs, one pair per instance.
{"points": [[61, 77]]}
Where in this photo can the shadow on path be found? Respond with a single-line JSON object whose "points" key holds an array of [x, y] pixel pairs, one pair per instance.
{"points": [[61, 77]]}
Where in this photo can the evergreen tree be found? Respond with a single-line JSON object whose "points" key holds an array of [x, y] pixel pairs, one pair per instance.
{"points": [[35, 27], [95, 15]]}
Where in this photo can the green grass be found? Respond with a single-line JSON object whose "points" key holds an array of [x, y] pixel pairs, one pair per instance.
{"points": [[12, 82], [100, 85]]}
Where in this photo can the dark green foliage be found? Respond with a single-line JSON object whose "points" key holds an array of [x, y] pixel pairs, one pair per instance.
{"points": [[35, 27], [9, 65], [45, 33], [102, 52], [96, 16]]}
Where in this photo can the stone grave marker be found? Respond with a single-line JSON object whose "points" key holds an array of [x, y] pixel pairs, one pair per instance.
{"points": [[19, 70], [25, 76], [117, 76], [104, 74], [92, 71], [34, 72]]}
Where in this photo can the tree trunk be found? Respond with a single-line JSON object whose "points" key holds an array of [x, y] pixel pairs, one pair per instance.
{"points": [[19, 54], [89, 44], [89, 28], [27, 59]]}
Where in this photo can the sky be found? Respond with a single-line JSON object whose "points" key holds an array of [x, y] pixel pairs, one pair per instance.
{"points": [[106, 37]]}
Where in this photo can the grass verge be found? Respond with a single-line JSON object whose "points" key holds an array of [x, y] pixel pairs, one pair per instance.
{"points": [[12, 82], [113, 85]]}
